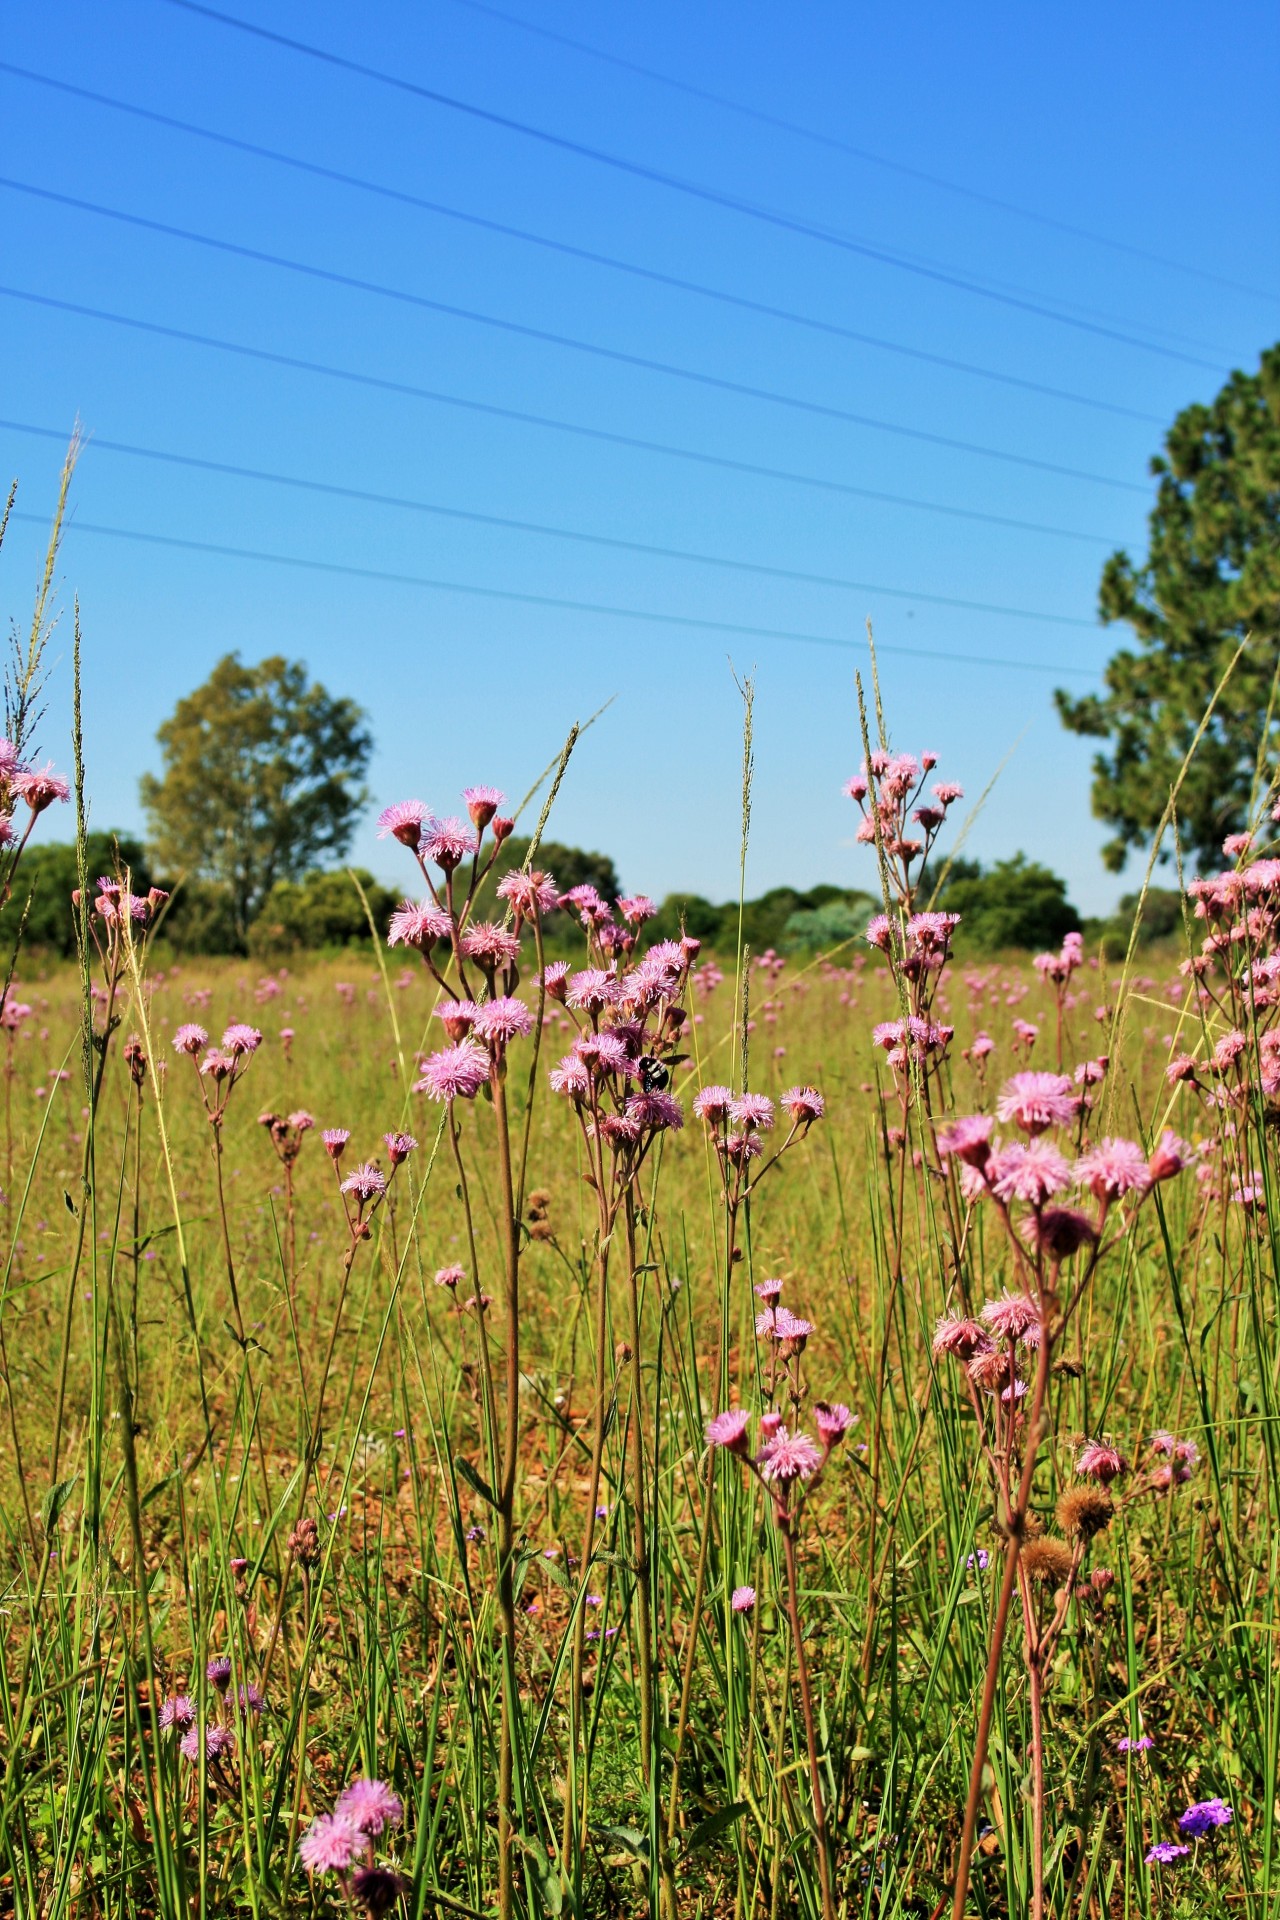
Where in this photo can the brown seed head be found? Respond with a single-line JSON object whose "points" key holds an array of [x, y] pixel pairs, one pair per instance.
{"points": [[1048, 1561], [1084, 1511]]}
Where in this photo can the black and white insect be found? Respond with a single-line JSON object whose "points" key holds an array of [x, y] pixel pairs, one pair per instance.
{"points": [[653, 1075]]}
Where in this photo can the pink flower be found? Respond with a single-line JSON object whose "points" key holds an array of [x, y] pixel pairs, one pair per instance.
{"points": [[803, 1104], [636, 908], [1034, 1101], [753, 1110], [217, 1065], [492, 946], [1228, 1050], [969, 1139], [1060, 1231], [1012, 1316], [446, 843], [369, 1804], [832, 1422], [399, 1146], [1114, 1167], [656, 1110], [713, 1104], [1029, 1173], [531, 895], [456, 1016], [418, 925], [1170, 1157], [743, 1599], [787, 1328], [571, 1078], [1180, 1069], [241, 1039], [190, 1039], [450, 1276], [603, 1053], [365, 1182], [592, 990], [553, 979], [454, 1073], [981, 1045], [482, 804], [789, 1456], [330, 1843], [768, 1290], [301, 1121], [499, 1021], [335, 1139], [729, 1430], [39, 789], [403, 822], [1101, 1462], [960, 1338]]}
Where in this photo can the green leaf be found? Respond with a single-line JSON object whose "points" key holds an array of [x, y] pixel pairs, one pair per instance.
{"points": [[714, 1825], [627, 1837], [53, 1503], [462, 1466]]}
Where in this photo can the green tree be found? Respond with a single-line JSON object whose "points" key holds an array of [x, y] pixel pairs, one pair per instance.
{"points": [[1015, 903], [1211, 578], [49, 875], [263, 779], [321, 910]]}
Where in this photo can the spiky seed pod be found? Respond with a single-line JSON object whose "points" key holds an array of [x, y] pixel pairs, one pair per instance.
{"points": [[1048, 1561], [1085, 1511]]}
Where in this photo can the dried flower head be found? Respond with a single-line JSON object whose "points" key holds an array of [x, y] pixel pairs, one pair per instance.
{"points": [[1085, 1511], [1048, 1561]]}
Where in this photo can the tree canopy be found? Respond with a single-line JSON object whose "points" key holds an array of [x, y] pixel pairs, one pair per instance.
{"points": [[1211, 578], [1015, 903], [263, 780]]}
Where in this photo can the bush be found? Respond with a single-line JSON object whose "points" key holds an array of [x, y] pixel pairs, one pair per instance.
{"points": [[819, 929], [48, 874], [1015, 903], [322, 910]]}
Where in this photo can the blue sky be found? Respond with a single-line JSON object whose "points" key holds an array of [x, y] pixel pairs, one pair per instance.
{"points": [[1090, 124]]}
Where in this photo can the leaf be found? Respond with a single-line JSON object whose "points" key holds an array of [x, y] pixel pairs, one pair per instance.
{"points": [[627, 1837], [545, 1877], [463, 1466], [714, 1825], [53, 1503]]}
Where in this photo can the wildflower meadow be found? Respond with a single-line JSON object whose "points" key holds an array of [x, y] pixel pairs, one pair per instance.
{"points": [[531, 1419]]}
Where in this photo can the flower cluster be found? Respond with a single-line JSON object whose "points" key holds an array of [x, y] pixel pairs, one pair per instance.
{"points": [[342, 1843]]}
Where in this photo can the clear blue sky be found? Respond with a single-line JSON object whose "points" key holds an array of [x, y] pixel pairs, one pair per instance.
{"points": [[1145, 125]]}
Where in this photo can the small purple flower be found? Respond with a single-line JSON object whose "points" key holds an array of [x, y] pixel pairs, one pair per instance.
{"points": [[240, 1038], [331, 1841], [366, 1183], [1143, 1744], [1203, 1816], [190, 1039], [1164, 1852], [177, 1711], [729, 1430], [980, 1559], [370, 1805], [743, 1599], [249, 1699]]}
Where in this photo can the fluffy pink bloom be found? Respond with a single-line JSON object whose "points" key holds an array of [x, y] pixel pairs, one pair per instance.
{"points": [[768, 1290], [1101, 1462], [370, 1804], [330, 1844], [753, 1110], [456, 1016], [450, 1276], [39, 788], [803, 1105], [491, 945], [365, 1182], [190, 1039], [554, 976], [1180, 1069], [1170, 1157], [531, 894], [217, 1065], [969, 1139], [335, 1139], [729, 1430], [832, 1422], [738, 1148], [454, 1073], [713, 1104], [399, 1146], [879, 932], [743, 1599], [1228, 1050], [946, 793], [1012, 1316], [592, 990], [446, 843], [636, 908], [418, 924], [789, 1456], [1029, 1173], [499, 1021], [1112, 1168], [981, 1045], [656, 1110], [959, 1337], [302, 1121], [787, 1328], [571, 1078], [603, 1053], [1034, 1101], [240, 1039], [482, 803], [403, 822]]}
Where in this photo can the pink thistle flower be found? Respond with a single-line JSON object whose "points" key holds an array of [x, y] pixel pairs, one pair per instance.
{"points": [[946, 793], [370, 1805], [190, 1039], [969, 1139], [330, 1844], [177, 1711], [446, 843], [620, 1130], [456, 1016], [1034, 1101], [1180, 1070], [879, 932], [1012, 1316], [531, 896], [217, 1065], [1090, 1073], [454, 1073], [219, 1742], [789, 1456], [713, 1104], [636, 908], [1028, 1173], [592, 990], [301, 1121], [482, 803], [768, 1290], [1228, 1050], [752, 1110], [503, 1020], [740, 1147], [804, 1105], [450, 1276], [743, 1599], [960, 1338], [399, 1146], [490, 945], [240, 1038], [832, 1422], [1101, 1462], [365, 1182], [554, 978], [39, 788], [990, 1368], [603, 1053], [855, 788], [787, 1328], [571, 1078], [1113, 1168], [587, 904], [656, 1110], [335, 1139], [1170, 1157], [981, 1045], [729, 1430], [403, 822], [418, 925]]}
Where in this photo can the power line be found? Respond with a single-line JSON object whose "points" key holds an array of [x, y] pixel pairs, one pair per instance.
{"points": [[558, 604], [589, 255], [367, 497], [719, 383], [676, 183], [836, 145], [491, 410]]}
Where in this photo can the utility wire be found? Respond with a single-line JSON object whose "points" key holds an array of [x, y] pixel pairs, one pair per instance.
{"points": [[491, 410], [366, 497], [836, 145], [559, 604], [741, 389], [712, 196], [743, 302]]}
